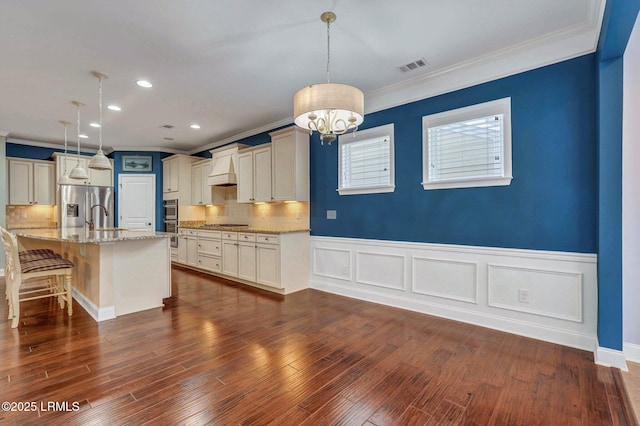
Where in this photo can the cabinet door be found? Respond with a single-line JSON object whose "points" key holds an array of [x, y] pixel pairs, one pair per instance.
{"points": [[100, 177], [207, 191], [283, 147], [262, 174], [182, 249], [44, 184], [68, 163], [170, 176], [20, 182], [247, 261], [268, 265], [192, 251], [245, 177], [196, 185], [230, 258]]}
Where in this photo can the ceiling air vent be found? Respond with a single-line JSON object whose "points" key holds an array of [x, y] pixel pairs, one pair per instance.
{"points": [[419, 63], [167, 126]]}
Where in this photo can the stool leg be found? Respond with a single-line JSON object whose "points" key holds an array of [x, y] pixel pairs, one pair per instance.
{"points": [[67, 281], [15, 301], [59, 289]]}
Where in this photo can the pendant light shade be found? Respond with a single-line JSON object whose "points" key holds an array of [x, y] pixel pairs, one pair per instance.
{"points": [[78, 171], [330, 109], [100, 161], [64, 179]]}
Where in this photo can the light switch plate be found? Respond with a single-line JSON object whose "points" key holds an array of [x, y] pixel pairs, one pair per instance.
{"points": [[332, 214]]}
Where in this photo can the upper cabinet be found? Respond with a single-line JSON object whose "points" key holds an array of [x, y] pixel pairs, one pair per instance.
{"points": [[96, 177], [201, 192], [176, 178], [290, 164], [31, 182], [254, 174]]}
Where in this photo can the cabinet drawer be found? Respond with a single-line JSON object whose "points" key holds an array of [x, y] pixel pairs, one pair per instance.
{"points": [[267, 239], [210, 263], [246, 236], [230, 236], [208, 246], [188, 232], [210, 234]]}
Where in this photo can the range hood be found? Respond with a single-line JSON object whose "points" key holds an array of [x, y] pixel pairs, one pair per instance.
{"points": [[224, 165]]}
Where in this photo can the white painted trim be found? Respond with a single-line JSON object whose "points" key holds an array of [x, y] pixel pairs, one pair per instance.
{"points": [[522, 328], [3, 133], [546, 322], [360, 280], [474, 300], [610, 358], [98, 314], [631, 351]]}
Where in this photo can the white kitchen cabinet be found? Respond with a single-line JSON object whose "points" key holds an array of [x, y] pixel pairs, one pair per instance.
{"points": [[188, 247], [268, 260], [182, 249], [290, 164], [210, 251], [95, 177], [230, 253], [201, 192], [247, 256], [254, 175], [176, 178], [31, 182]]}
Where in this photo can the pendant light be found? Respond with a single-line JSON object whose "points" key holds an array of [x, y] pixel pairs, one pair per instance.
{"points": [[78, 171], [329, 108], [100, 161], [64, 179]]}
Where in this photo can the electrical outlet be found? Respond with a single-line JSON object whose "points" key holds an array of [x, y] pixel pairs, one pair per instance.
{"points": [[524, 296]]}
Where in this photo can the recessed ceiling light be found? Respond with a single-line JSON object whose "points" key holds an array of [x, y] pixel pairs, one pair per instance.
{"points": [[114, 108], [83, 136], [195, 126], [144, 83], [94, 124]]}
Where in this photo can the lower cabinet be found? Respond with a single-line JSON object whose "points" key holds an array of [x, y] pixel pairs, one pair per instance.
{"points": [[277, 262]]}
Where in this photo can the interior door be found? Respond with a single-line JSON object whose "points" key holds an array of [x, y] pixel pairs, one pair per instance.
{"points": [[137, 201]]}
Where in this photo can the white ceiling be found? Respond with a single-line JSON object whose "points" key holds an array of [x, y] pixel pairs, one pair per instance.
{"points": [[233, 67]]}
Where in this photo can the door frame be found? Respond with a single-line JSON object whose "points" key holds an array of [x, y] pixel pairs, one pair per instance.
{"points": [[153, 183]]}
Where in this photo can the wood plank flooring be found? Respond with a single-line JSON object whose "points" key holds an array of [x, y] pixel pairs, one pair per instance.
{"points": [[226, 354]]}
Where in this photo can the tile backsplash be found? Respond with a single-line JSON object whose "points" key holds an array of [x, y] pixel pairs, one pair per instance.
{"points": [[278, 215], [30, 216]]}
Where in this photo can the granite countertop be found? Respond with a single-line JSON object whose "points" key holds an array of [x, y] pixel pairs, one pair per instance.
{"points": [[253, 229], [82, 235]]}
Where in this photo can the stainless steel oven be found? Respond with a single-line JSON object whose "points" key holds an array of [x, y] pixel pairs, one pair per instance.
{"points": [[171, 210], [171, 220]]}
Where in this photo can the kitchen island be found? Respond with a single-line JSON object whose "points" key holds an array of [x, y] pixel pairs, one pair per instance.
{"points": [[117, 271]]}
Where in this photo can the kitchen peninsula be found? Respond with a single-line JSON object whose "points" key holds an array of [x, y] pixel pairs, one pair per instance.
{"points": [[116, 271]]}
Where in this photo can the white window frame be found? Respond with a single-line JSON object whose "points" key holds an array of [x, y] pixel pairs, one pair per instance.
{"points": [[363, 135], [500, 106]]}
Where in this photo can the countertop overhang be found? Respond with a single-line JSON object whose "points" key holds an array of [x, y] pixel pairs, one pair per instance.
{"points": [[251, 229], [82, 235]]}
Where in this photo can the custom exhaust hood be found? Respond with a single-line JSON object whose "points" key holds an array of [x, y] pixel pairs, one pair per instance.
{"points": [[224, 165]]}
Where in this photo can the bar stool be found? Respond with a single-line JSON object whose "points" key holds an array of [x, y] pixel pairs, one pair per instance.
{"points": [[39, 273]]}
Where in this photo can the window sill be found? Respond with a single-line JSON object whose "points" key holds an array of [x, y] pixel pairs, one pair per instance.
{"points": [[475, 183], [372, 190]]}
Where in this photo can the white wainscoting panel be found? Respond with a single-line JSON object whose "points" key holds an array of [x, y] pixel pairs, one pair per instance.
{"points": [[477, 285], [445, 278], [331, 263], [554, 294], [380, 269]]}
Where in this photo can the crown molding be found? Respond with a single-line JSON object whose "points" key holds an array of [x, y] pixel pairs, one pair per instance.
{"points": [[147, 148], [3, 133]]}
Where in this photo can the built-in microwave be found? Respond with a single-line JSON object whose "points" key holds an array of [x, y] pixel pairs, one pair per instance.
{"points": [[171, 210]]}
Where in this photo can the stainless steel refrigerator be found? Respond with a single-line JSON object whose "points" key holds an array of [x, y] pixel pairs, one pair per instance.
{"points": [[79, 204]]}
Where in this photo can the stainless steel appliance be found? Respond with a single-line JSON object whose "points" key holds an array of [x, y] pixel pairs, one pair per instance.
{"points": [[82, 205], [171, 220]]}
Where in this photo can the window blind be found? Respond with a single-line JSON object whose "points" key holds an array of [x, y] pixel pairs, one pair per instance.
{"points": [[366, 163], [467, 149]]}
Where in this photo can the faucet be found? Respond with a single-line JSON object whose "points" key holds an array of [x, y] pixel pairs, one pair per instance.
{"points": [[91, 223]]}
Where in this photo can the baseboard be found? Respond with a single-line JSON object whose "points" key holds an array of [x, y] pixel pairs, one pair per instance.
{"points": [[631, 351], [549, 296], [522, 328], [98, 314], [611, 358]]}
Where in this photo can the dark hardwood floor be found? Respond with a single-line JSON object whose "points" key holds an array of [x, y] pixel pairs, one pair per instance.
{"points": [[226, 354]]}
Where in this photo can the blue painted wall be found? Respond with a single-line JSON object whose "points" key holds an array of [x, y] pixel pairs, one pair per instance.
{"points": [[550, 204], [35, 152], [156, 169]]}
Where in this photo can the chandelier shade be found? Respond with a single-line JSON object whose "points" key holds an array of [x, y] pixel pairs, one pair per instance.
{"points": [[78, 172], [331, 109], [100, 161]]}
